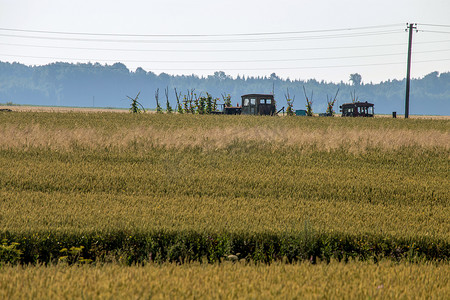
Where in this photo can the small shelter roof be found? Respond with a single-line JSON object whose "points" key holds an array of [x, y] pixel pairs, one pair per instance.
{"points": [[258, 95], [357, 104]]}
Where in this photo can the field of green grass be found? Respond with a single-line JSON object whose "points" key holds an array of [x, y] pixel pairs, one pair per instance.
{"points": [[96, 188]]}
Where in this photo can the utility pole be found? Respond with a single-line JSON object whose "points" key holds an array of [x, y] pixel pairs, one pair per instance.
{"points": [[411, 27]]}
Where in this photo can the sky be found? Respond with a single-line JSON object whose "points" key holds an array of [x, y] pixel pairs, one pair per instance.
{"points": [[323, 39]]}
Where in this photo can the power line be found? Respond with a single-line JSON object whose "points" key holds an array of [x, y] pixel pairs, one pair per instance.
{"points": [[435, 31], [225, 38], [434, 25], [219, 50], [199, 35], [226, 61], [208, 50], [209, 41]]}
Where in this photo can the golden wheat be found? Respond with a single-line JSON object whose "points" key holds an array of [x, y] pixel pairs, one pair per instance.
{"points": [[100, 172], [364, 187], [354, 280]]}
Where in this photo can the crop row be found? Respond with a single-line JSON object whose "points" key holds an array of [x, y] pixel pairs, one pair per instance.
{"points": [[164, 246]]}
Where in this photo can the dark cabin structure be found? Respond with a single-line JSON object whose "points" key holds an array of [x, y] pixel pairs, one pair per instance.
{"points": [[258, 104], [357, 109]]}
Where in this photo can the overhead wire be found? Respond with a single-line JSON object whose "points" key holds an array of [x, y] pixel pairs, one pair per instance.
{"points": [[220, 50], [206, 50], [435, 31], [205, 41], [228, 61], [197, 35], [434, 25], [288, 68], [187, 39]]}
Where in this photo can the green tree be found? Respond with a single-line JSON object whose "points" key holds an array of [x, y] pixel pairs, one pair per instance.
{"points": [[168, 107], [226, 100], [309, 102], [209, 103], [290, 103], [158, 107], [355, 79], [201, 105], [179, 107], [136, 106], [330, 104]]}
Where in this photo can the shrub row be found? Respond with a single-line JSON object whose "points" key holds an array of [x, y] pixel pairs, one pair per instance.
{"points": [[180, 247]]}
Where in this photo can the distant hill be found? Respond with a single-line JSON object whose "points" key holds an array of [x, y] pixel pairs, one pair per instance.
{"points": [[87, 85]]}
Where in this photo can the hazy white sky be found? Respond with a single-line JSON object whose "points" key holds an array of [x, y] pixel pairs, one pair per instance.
{"points": [[203, 36]]}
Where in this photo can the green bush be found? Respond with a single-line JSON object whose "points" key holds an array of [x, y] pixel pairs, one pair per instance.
{"points": [[10, 253]]}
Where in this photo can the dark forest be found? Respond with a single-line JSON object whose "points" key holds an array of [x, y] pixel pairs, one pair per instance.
{"points": [[96, 85]]}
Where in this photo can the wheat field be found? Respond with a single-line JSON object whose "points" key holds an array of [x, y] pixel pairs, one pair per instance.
{"points": [[360, 206], [88, 172], [355, 280]]}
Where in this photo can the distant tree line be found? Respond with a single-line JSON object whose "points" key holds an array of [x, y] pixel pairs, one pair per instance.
{"points": [[87, 85]]}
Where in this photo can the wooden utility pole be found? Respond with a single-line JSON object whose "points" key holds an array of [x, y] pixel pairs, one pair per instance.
{"points": [[411, 27]]}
